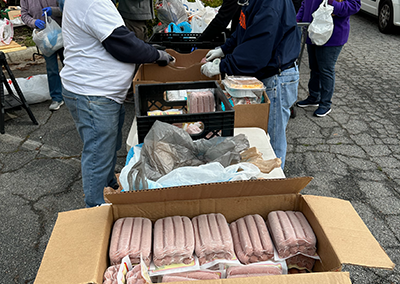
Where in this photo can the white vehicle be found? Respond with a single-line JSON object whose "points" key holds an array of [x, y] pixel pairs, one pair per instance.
{"points": [[387, 11]]}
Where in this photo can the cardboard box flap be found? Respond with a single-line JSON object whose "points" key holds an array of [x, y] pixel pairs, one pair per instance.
{"points": [[213, 190], [351, 240], [80, 235], [153, 72], [187, 59]]}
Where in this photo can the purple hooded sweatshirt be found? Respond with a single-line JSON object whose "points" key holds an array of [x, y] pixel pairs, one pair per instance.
{"points": [[341, 18], [31, 10]]}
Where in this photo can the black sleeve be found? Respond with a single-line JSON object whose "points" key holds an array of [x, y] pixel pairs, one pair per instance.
{"points": [[124, 46], [228, 12]]}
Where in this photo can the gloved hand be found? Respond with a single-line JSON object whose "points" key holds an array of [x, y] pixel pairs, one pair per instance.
{"points": [[48, 11], [211, 68], [164, 58], [40, 24], [215, 53]]}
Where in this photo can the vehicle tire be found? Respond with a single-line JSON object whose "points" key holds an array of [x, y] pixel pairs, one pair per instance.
{"points": [[385, 17]]}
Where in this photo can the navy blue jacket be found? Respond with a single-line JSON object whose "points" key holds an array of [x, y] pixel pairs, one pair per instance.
{"points": [[265, 42]]}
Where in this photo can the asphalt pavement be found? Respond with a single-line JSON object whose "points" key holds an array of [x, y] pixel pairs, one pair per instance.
{"points": [[353, 154]]}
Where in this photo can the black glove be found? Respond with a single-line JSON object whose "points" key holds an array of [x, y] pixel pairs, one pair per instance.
{"points": [[164, 58]]}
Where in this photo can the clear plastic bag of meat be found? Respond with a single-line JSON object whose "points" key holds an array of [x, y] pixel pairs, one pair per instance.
{"points": [[131, 236], [257, 269], [292, 234], [251, 239], [201, 101], [173, 241], [135, 276], [167, 147], [213, 239], [192, 276], [300, 262], [110, 275]]}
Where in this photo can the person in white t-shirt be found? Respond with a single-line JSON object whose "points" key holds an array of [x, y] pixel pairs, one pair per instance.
{"points": [[100, 57]]}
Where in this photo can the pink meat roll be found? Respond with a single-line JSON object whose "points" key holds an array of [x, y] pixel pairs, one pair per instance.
{"points": [[251, 239], [134, 276], [291, 233], [253, 270], [300, 262], [173, 241], [190, 276], [213, 237], [131, 236], [110, 275]]}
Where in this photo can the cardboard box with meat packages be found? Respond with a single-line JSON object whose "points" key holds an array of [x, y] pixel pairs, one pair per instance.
{"points": [[79, 247]]}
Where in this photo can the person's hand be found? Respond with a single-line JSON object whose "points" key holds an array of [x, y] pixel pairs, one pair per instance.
{"points": [[40, 24], [164, 58], [215, 53], [211, 69], [47, 10]]}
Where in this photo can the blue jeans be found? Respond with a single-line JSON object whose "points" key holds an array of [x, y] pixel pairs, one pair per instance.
{"points": [[282, 92], [99, 122], [53, 75], [322, 61]]}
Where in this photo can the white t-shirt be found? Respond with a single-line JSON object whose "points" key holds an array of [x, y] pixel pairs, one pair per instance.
{"points": [[88, 68]]}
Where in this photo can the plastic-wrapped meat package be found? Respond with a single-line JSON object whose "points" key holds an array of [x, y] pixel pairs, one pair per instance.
{"points": [[300, 262], [131, 236], [253, 270], [251, 239], [201, 101], [213, 237], [134, 276], [190, 276], [173, 241], [291, 233], [110, 275]]}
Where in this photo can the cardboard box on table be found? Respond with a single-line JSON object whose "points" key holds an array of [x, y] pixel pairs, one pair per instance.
{"points": [[11, 13], [185, 69], [77, 251]]}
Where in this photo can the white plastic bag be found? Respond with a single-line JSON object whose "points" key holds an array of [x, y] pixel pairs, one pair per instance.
{"points": [[321, 28], [192, 7], [6, 32], [48, 40], [34, 88], [171, 11]]}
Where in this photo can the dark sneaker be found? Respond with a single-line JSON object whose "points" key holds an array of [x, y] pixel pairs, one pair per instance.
{"points": [[321, 112], [307, 103]]}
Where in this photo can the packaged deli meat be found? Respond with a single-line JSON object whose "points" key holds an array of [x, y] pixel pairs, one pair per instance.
{"points": [[131, 236], [173, 241], [110, 275], [291, 233], [191, 276], [254, 270], [300, 262], [213, 238], [251, 239], [201, 101]]}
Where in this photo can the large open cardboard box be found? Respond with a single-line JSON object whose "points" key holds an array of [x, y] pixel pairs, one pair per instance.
{"points": [[77, 251], [185, 69]]}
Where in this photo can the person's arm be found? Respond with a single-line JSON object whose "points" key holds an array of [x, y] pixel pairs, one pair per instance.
{"points": [[25, 14], [299, 16], [220, 22], [345, 8], [124, 46]]}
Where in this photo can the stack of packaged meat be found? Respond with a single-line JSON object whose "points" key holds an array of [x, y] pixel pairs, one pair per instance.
{"points": [[291, 233], [213, 238], [253, 270], [131, 236], [191, 276], [133, 276], [251, 239], [201, 101], [300, 262], [173, 241]]}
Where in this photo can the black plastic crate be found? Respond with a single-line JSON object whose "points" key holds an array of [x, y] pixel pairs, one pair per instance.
{"points": [[151, 97], [184, 42]]}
